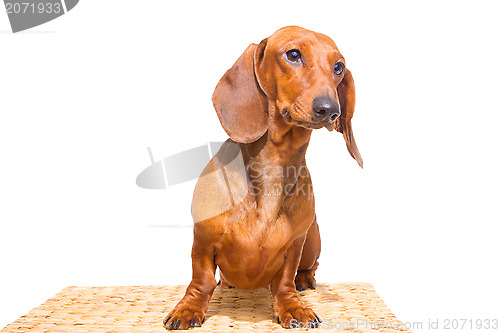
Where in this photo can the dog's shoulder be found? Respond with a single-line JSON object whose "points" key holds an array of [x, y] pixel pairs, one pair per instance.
{"points": [[222, 184]]}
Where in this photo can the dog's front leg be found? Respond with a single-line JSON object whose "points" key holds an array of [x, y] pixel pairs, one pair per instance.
{"points": [[288, 308], [190, 311]]}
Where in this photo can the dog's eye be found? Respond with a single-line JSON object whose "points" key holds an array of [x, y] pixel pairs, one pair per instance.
{"points": [[339, 68], [293, 55]]}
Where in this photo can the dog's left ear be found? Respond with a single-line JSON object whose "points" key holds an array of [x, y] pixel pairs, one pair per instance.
{"points": [[347, 99], [240, 103]]}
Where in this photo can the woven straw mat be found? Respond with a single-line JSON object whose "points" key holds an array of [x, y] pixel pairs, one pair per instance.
{"points": [[345, 307]]}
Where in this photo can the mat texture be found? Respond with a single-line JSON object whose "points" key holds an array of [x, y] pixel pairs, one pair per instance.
{"points": [[349, 307]]}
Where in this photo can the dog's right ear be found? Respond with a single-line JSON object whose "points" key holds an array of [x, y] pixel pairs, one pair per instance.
{"points": [[240, 103]]}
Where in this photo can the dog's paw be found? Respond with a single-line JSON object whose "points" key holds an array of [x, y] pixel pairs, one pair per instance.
{"points": [[299, 317], [305, 280], [182, 319]]}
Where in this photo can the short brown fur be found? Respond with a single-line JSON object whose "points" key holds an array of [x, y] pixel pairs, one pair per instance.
{"points": [[271, 238]]}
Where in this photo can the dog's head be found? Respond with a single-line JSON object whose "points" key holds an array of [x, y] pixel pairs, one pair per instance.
{"points": [[304, 76]]}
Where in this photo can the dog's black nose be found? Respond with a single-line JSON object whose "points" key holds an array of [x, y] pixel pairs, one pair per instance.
{"points": [[325, 108]]}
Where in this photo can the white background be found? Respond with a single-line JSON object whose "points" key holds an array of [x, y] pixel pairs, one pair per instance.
{"points": [[82, 97]]}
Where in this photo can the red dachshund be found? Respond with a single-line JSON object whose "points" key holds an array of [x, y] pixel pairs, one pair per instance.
{"points": [[265, 234]]}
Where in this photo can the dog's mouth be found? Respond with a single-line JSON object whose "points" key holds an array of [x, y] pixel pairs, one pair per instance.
{"points": [[287, 115]]}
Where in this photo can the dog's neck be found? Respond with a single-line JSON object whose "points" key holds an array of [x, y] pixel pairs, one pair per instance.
{"points": [[275, 163], [283, 145]]}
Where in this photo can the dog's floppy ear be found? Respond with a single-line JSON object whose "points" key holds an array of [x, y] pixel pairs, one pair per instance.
{"points": [[347, 99], [239, 101]]}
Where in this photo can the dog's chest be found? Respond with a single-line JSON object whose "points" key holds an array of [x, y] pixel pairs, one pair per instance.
{"points": [[258, 233], [253, 252], [270, 223]]}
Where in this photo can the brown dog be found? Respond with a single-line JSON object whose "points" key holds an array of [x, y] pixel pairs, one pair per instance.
{"points": [[264, 233]]}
